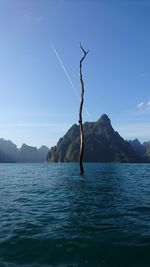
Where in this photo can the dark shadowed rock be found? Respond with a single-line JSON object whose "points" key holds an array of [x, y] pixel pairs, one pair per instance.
{"points": [[102, 144], [139, 148]]}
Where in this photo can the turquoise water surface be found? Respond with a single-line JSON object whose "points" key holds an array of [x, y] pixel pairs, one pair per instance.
{"points": [[52, 216]]}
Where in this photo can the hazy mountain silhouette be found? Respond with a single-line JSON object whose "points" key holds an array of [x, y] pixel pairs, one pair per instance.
{"points": [[10, 153], [32, 154]]}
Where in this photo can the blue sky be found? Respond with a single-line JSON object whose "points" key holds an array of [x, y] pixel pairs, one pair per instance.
{"points": [[37, 101]]}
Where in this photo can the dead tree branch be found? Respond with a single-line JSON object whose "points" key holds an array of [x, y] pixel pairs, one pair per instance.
{"points": [[80, 113]]}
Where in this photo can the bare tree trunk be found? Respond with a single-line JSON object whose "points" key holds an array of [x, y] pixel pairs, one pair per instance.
{"points": [[80, 114]]}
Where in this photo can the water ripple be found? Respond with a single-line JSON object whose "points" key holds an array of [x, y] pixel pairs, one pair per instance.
{"points": [[51, 216]]}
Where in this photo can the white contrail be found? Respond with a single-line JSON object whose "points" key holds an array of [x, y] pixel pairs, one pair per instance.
{"points": [[67, 74], [64, 69]]}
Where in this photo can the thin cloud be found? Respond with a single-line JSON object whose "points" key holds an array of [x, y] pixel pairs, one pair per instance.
{"points": [[140, 105], [68, 76], [144, 105]]}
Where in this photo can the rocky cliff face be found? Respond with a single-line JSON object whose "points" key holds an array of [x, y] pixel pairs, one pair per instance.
{"points": [[102, 144]]}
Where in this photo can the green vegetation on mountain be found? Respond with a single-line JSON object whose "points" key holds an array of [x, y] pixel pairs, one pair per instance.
{"points": [[102, 144]]}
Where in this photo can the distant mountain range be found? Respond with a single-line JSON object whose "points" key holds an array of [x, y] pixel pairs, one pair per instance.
{"points": [[10, 153], [102, 144]]}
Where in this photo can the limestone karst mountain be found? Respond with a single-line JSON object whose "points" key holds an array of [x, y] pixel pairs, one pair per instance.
{"points": [[10, 153], [102, 144]]}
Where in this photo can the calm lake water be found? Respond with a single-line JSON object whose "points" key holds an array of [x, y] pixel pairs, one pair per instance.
{"points": [[51, 216]]}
